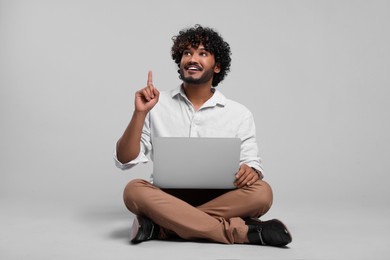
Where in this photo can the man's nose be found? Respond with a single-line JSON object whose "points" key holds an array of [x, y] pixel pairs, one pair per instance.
{"points": [[194, 58]]}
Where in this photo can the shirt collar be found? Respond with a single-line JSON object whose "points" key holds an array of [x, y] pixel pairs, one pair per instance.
{"points": [[217, 99]]}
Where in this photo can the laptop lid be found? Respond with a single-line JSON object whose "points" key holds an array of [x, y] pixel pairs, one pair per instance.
{"points": [[195, 163]]}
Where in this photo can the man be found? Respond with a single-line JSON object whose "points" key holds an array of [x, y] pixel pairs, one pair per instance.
{"points": [[197, 109]]}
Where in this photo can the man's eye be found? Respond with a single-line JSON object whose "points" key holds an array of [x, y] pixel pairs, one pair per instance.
{"points": [[186, 53]]}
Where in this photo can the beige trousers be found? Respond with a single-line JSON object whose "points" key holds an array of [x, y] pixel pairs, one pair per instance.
{"points": [[215, 215]]}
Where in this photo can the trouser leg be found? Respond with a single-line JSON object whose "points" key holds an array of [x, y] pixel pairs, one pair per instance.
{"points": [[250, 201], [208, 221]]}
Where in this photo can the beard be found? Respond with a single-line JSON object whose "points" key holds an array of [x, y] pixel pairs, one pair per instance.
{"points": [[206, 77]]}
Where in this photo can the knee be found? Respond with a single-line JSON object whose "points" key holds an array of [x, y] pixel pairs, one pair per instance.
{"points": [[133, 193], [262, 198]]}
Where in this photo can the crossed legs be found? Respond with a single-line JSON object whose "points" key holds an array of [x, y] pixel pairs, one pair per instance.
{"points": [[219, 219]]}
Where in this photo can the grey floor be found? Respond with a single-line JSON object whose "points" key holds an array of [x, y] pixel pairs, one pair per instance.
{"points": [[81, 230]]}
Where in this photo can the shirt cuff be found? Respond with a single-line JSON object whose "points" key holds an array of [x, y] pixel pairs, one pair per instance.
{"points": [[141, 158]]}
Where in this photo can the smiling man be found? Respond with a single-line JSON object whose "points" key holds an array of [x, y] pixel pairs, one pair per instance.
{"points": [[224, 216]]}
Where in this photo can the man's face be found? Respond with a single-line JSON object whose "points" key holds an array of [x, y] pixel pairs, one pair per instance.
{"points": [[197, 66]]}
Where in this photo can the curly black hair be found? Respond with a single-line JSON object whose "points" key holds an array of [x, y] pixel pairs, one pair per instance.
{"points": [[212, 42]]}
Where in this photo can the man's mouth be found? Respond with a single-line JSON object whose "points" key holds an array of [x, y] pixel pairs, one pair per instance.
{"points": [[193, 67]]}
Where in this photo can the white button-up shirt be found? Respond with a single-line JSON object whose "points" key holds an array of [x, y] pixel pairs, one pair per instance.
{"points": [[175, 116]]}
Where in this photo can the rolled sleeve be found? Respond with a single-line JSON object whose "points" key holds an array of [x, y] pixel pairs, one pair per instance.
{"points": [[141, 158], [249, 149], [145, 148]]}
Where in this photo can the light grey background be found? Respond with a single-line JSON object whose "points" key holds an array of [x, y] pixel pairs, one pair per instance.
{"points": [[314, 73]]}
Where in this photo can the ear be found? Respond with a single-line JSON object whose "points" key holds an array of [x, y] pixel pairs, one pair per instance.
{"points": [[217, 68]]}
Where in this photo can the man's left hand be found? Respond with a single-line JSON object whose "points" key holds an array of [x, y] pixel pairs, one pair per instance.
{"points": [[246, 176]]}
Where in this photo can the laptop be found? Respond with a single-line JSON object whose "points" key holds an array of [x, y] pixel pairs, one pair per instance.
{"points": [[195, 163]]}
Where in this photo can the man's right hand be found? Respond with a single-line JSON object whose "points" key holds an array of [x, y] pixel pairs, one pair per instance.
{"points": [[146, 98]]}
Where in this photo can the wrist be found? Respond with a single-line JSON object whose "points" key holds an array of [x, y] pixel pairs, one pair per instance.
{"points": [[256, 171], [140, 113]]}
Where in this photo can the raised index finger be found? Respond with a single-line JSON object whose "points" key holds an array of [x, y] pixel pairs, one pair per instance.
{"points": [[150, 78]]}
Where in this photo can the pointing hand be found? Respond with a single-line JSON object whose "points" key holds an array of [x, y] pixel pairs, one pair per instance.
{"points": [[146, 98]]}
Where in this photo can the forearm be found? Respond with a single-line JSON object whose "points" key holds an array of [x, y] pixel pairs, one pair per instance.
{"points": [[128, 146]]}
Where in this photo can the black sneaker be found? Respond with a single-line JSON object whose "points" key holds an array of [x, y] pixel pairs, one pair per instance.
{"points": [[271, 233], [143, 229]]}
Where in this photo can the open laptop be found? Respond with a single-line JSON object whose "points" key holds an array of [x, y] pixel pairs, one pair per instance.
{"points": [[195, 163]]}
